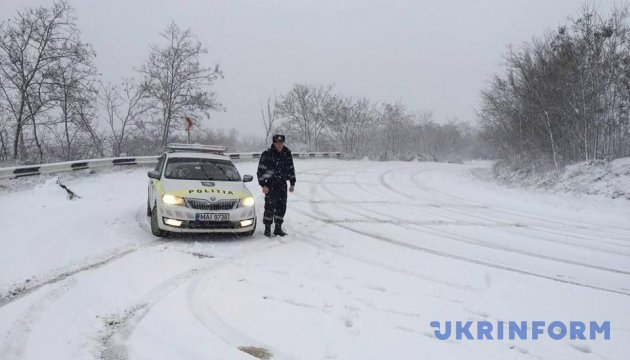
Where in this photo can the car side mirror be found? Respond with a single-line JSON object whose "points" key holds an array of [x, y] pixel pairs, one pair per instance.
{"points": [[154, 174], [247, 178]]}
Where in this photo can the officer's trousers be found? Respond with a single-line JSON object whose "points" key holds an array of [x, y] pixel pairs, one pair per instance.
{"points": [[275, 204]]}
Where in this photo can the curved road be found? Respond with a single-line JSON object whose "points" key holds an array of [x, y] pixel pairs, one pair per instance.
{"points": [[376, 251]]}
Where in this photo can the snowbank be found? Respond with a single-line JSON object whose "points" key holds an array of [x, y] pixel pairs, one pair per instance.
{"points": [[601, 178]]}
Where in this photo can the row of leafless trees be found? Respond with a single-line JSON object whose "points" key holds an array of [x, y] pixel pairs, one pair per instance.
{"points": [[565, 97], [53, 102], [318, 118], [54, 105]]}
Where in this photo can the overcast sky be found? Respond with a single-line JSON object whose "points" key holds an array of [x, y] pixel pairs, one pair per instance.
{"points": [[432, 55]]}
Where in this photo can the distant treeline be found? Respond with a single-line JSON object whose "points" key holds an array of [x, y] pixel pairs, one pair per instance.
{"points": [[318, 118]]}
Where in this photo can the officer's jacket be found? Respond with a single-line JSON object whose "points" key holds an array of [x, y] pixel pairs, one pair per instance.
{"points": [[276, 167]]}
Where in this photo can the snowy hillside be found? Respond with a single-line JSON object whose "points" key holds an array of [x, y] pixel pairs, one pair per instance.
{"points": [[607, 179], [375, 252]]}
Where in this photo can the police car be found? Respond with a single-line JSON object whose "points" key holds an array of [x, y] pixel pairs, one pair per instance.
{"points": [[196, 189]]}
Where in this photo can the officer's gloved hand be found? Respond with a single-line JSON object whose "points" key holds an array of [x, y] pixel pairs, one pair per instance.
{"points": [[265, 189], [291, 188]]}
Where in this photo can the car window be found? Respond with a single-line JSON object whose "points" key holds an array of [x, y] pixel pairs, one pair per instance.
{"points": [[160, 164], [201, 169]]}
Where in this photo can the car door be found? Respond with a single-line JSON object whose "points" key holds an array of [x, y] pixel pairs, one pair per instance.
{"points": [[159, 168]]}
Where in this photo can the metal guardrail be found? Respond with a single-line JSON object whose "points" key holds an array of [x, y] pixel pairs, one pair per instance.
{"points": [[22, 171]]}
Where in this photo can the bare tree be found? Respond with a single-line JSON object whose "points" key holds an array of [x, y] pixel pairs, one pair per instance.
{"points": [[33, 42], [73, 88], [176, 81], [4, 136], [304, 109], [268, 116], [38, 101], [349, 121], [124, 106], [396, 123]]}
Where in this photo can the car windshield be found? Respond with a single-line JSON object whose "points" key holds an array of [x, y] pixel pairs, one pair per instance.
{"points": [[201, 169]]}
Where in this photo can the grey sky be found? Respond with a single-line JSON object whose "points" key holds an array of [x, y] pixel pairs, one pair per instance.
{"points": [[433, 55]]}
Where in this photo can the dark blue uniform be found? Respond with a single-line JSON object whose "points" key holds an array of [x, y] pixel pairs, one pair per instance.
{"points": [[274, 170]]}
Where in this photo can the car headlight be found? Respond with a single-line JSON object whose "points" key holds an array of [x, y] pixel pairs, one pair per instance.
{"points": [[172, 200], [248, 201]]}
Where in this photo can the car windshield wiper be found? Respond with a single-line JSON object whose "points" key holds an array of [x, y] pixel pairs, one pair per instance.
{"points": [[208, 177], [226, 176]]}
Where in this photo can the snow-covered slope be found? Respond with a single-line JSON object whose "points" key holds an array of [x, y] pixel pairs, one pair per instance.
{"points": [[376, 252], [611, 179], [602, 178]]}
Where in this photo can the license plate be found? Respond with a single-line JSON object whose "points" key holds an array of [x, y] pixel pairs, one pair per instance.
{"points": [[213, 217]]}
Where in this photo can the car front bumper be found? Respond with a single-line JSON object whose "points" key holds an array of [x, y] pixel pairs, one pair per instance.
{"points": [[190, 225]]}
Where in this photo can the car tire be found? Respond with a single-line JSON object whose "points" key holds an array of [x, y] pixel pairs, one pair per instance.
{"points": [[155, 229]]}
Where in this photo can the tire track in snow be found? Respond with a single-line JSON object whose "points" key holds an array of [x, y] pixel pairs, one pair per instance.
{"points": [[322, 245], [321, 217], [19, 334], [567, 223], [468, 240], [114, 340], [318, 243], [212, 321], [17, 337], [568, 227], [22, 290], [544, 225], [466, 259], [122, 326], [508, 227], [536, 228], [495, 219]]}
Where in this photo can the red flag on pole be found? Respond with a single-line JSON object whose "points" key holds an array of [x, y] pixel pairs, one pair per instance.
{"points": [[189, 123]]}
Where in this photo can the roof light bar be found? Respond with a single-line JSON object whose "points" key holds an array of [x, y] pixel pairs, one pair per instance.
{"points": [[214, 149]]}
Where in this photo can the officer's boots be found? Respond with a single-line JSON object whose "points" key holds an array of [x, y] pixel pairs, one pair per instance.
{"points": [[278, 230], [268, 230]]}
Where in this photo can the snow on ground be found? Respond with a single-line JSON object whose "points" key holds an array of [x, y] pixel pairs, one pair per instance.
{"points": [[601, 178], [376, 252], [611, 179]]}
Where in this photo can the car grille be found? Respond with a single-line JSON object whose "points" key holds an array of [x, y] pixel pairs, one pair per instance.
{"points": [[201, 204], [212, 225]]}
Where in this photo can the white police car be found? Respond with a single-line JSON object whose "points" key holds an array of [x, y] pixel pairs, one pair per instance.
{"points": [[195, 188]]}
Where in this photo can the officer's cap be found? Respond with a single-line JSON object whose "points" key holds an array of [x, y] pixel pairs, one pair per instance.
{"points": [[278, 138]]}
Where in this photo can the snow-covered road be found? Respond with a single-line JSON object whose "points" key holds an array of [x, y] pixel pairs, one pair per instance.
{"points": [[376, 252]]}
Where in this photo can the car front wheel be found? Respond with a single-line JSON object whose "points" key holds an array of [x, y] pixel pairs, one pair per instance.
{"points": [[155, 229]]}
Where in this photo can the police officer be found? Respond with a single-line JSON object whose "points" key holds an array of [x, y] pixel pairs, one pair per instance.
{"points": [[275, 168]]}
